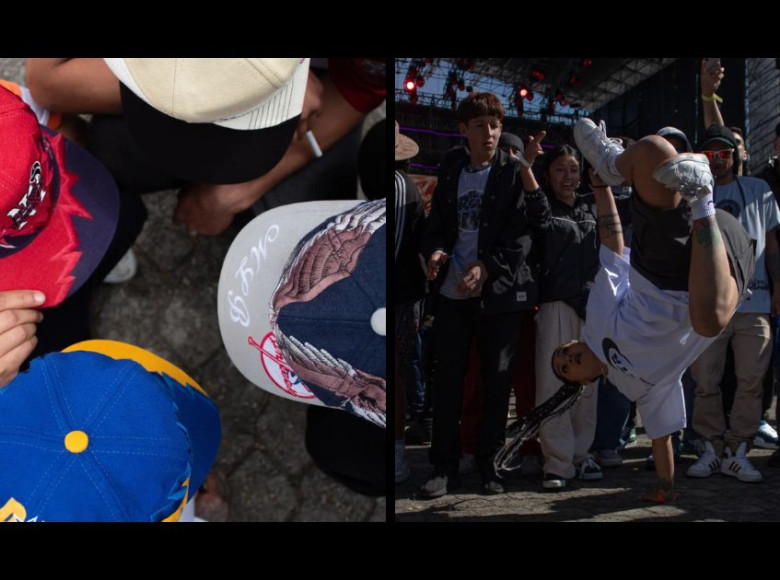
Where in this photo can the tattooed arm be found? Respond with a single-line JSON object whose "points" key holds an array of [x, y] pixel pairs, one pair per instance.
{"points": [[772, 260], [712, 289], [610, 228]]}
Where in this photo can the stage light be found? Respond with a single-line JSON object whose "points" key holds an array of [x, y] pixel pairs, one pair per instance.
{"points": [[420, 81], [587, 61], [537, 73], [410, 86]]}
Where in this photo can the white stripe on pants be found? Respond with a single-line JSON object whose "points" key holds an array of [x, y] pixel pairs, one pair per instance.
{"points": [[565, 439]]}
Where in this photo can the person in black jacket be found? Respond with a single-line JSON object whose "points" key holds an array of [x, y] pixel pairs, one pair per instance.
{"points": [[569, 265], [409, 286], [477, 244]]}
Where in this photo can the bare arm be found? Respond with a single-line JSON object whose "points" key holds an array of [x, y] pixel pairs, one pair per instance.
{"points": [[537, 206], [711, 75], [664, 467], [78, 85], [610, 228], [209, 209]]}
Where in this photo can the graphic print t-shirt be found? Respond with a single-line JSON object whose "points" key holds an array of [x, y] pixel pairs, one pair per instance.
{"points": [[645, 337], [471, 189], [758, 214]]}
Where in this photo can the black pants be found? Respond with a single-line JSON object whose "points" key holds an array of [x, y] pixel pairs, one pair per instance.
{"points": [[455, 325]]}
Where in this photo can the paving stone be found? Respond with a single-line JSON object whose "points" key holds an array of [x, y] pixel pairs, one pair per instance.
{"points": [[261, 492], [168, 245], [325, 500], [280, 432]]}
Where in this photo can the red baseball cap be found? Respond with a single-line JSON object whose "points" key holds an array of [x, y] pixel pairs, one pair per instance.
{"points": [[58, 207]]}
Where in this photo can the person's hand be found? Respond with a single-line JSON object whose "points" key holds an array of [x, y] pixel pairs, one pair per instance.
{"points": [[312, 103], [209, 209], [534, 147], [595, 180], [17, 330], [435, 262], [711, 75], [474, 277]]}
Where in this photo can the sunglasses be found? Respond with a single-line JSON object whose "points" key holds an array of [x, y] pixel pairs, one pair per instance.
{"points": [[723, 154]]}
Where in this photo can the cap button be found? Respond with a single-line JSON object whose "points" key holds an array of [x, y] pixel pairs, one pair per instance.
{"points": [[76, 441], [378, 322]]}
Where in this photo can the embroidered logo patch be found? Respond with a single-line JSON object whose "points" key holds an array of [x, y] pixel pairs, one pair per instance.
{"points": [[17, 219], [277, 369]]}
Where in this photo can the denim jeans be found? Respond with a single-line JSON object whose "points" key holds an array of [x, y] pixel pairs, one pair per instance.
{"points": [[611, 416]]}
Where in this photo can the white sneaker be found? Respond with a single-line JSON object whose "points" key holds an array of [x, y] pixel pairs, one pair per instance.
{"points": [[599, 150], [688, 173], [124, 270], [467, 464], [589, 470], [706, 465], [739, 466], [766, 436]]}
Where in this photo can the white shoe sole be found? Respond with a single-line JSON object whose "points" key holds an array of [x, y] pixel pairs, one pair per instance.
{"points": [[758, 442], [582, 131], [554, 484], [124, 271], [688, 173]]}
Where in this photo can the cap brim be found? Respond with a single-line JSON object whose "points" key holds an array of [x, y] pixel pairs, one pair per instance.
{"points": [[249, 277], [44, 264], [724, 140], [405, 148], [196, 411], [205, 152]]}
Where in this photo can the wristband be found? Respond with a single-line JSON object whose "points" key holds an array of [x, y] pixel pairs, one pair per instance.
{"points": [[524, 161], [714, 98], [702, 207]]}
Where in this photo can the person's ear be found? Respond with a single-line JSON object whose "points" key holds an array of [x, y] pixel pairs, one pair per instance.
{"points": [[463, 127]]}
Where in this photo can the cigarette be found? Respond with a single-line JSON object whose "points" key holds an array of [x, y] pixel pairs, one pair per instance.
{"points": [[314, 145]]}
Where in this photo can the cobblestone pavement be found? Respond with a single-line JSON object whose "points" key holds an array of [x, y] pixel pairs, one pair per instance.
{"points": [[613, 499], [170, 309]]}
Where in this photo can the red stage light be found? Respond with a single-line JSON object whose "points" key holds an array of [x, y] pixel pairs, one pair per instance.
{"points": [[410, 85], [537, 74]]}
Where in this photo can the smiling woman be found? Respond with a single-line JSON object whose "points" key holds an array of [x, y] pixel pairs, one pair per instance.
{"points": [[569, 265]]}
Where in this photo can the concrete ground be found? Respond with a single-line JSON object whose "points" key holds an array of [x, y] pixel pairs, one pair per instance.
{"points": [[613, 499], [169, 308]]}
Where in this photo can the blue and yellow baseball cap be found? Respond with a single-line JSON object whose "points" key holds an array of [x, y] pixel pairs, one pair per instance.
{"points": [[103, 431]]}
